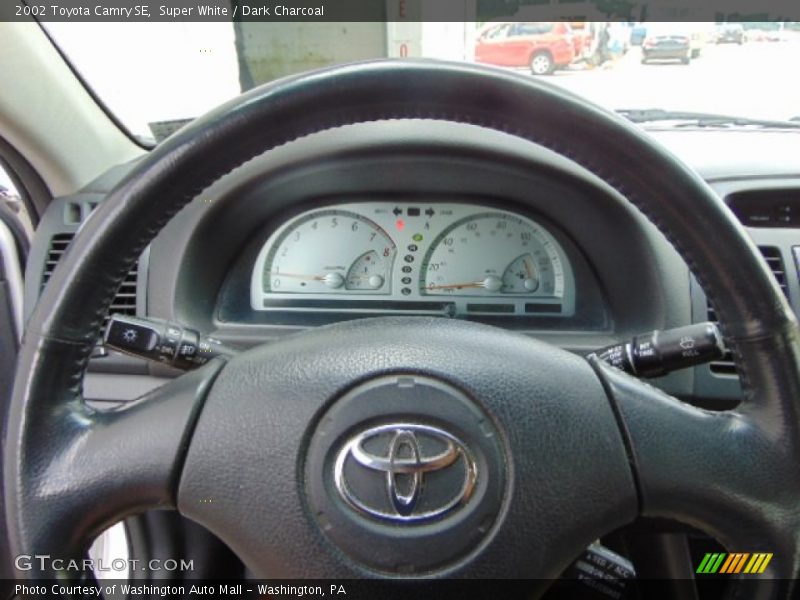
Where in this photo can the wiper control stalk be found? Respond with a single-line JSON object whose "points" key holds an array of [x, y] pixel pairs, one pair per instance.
{"points": [[661, 352]]}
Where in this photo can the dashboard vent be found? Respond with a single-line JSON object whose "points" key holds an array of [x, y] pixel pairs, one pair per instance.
{"points": [[58, 245], [726, 365], [775, 262], [124, 302]]}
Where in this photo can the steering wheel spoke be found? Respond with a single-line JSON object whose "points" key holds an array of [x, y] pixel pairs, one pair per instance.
{"points": [[721, 472], [95, 467]]}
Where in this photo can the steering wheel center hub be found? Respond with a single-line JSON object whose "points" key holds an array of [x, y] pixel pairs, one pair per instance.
{"points": [[405, 474]]}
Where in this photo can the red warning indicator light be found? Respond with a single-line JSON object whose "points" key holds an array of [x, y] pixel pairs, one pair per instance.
{"points": [[400, 224]]}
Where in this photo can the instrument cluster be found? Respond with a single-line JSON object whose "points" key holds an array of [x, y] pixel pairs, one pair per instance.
{"points": [[437, 258]]}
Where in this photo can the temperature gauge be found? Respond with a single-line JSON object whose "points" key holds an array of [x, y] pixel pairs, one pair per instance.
{"points": [[368, 272]]}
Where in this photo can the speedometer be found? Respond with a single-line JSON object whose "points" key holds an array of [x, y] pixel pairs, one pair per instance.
{"points": [[328, 252], [491, 254]]}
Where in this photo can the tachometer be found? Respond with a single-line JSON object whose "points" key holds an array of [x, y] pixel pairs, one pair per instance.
{"points": [[328, 252], [493, 254]]}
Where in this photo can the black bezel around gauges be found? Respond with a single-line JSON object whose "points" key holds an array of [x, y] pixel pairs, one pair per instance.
{"points": [[453, 259]]}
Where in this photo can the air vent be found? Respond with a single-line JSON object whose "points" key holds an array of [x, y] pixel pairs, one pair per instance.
{"points": [[775, 262], [58, 245], [124, 302], [726, 365]]}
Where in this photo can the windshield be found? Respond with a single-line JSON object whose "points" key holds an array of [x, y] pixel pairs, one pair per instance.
{"points": [[185, 69]]}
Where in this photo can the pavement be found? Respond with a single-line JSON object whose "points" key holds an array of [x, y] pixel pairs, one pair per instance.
{"points": [[756, 79]]}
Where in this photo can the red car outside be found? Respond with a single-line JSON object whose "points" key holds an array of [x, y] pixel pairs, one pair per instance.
{"points": [[543, 47]]}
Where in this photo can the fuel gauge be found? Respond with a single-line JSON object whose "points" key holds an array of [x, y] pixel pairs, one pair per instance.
{"points": [[520, 277]]}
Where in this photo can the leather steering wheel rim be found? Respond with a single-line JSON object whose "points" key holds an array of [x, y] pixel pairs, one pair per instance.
{"points": [[53, 465]]}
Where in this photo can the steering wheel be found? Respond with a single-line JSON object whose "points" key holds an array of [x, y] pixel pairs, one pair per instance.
{"points": [[408, 447]]}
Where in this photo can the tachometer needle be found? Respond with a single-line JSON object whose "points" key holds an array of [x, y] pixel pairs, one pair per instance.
{"points": [[332, 280], [491, 283], [297, 276]]}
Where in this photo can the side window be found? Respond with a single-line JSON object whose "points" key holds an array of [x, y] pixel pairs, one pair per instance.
{"points": [[498, 33], [521, 29], [12, 202]]}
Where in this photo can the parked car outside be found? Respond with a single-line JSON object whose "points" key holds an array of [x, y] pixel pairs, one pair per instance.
{"points": [[666, 43], [730, 33], [541, 46]]}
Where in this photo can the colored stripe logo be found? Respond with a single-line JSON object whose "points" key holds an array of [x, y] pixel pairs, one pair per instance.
{"points": [[735, 562]]}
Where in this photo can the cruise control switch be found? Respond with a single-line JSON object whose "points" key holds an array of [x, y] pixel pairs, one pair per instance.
{"points": [[662, 352], [162, 341], [599, 574]]}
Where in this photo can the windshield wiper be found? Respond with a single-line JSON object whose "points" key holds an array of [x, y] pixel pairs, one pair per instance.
{"points": [[701, 119]]}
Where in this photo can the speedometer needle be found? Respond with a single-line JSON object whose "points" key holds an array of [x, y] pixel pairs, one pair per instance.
{"points": [[457, 286], [491, 283]]}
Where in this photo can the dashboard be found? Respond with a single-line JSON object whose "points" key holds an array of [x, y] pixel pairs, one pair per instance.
{"points": [[448, 259], [430, 218]]}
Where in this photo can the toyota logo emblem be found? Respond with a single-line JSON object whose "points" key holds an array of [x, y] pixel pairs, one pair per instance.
{"points": [[405, 472]]}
